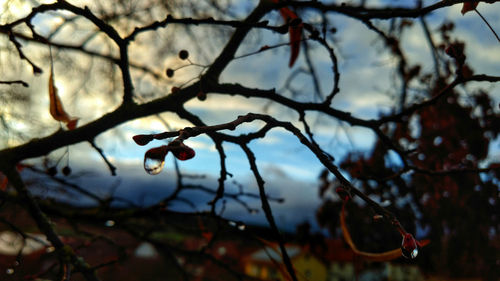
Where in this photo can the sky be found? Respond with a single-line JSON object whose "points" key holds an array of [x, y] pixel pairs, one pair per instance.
{"points": [[289, 169]]}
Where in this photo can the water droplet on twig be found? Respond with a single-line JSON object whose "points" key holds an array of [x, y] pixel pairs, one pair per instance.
{"points": [[409, 247], [154, 159]]}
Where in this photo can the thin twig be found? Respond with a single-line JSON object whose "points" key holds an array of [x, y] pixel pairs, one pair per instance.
{"points": [[111, 167], [267, 210], [488, 24], [44, 225], [16, 82]]}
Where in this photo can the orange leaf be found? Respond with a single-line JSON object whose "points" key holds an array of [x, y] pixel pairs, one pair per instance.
{"points": [[469, 6], [56, 107]]}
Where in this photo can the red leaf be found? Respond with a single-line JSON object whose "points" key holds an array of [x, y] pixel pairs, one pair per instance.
{"points": [[295, 32], [295, 36], [494, 165], [469, 6], [287, 14]]}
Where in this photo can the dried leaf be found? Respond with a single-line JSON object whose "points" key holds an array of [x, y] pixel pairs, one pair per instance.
{"points": [[56, 107], [286, 13], [295, 36], [469, 6], [295, 32]]}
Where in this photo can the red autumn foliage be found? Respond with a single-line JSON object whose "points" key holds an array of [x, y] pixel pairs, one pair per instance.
{"points": [[455, 210], [295, 32], [469, 6]]}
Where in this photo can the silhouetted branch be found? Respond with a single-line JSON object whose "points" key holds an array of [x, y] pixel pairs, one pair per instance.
{"points": [[44, 225], [36, 69], [392, 131], [111, 167], [445, 91], [15, 82], [267, 210], [364, 13], [208, 21]]}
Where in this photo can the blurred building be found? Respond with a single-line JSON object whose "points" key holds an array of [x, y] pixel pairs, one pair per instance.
{"points": [[267, 264]]}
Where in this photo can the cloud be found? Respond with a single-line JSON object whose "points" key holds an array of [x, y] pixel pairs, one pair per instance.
{"points": [[300, 200], [133, 184]]}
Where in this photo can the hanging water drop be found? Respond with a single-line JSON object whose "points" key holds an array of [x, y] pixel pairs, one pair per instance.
{"points": [[153, 166], [414, 253], [154, 159], [409, 247]]}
